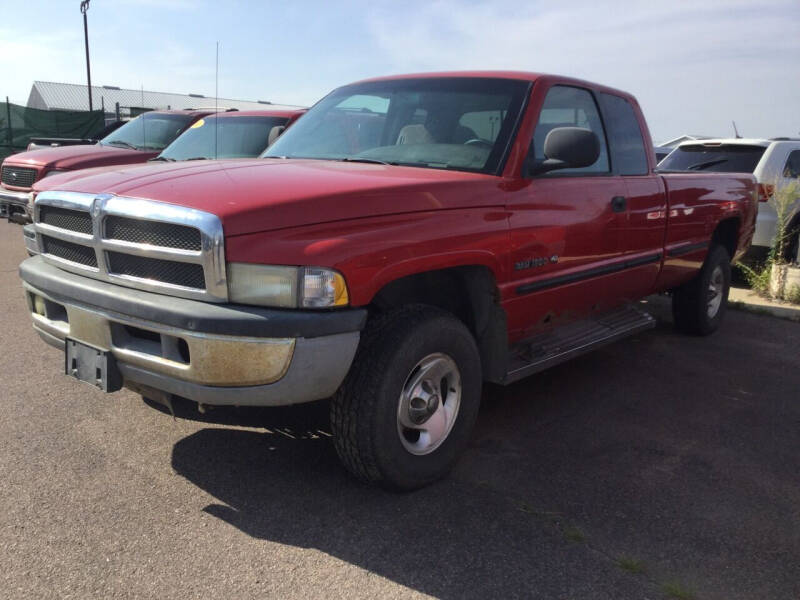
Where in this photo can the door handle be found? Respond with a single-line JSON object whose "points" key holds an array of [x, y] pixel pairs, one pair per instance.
{"points": [[619, 204]]}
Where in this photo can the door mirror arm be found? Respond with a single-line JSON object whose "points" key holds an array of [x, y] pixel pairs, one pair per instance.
{"points": [[535, 167]]}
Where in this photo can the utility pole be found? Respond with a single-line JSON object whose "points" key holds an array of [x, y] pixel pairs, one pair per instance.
{"points": [[84, 8]]}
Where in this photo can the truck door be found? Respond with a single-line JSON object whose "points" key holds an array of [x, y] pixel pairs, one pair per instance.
{"points": [[565, 227], [645, 198]]}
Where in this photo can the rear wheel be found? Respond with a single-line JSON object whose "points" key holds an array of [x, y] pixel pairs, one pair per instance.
{"points": [[699, 306], [406, 410]]}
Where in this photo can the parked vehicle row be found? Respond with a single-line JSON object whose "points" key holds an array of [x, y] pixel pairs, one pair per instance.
{"points": [[407, 240], [156, 135], [773, 162]]}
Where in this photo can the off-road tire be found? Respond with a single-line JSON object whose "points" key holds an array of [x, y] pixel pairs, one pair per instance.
{"points": [[690, 301], [364, 410]]}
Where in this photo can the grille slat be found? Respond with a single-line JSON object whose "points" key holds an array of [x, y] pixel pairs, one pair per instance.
{"points": [[18, 176], [65, 218], [166, 271], [83, 255], [154, 233]]}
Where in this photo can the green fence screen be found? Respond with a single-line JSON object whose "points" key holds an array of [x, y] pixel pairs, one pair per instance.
{"points": [[18, 124]]}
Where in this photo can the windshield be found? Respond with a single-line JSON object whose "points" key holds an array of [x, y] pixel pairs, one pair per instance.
{"points": [[720, 158], [150, 131], [224, 137], [448, 123]]}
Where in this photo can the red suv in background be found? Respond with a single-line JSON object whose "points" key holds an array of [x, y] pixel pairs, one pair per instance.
{"points": [[137, 141]]}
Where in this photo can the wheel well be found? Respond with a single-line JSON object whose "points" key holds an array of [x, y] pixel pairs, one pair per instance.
{"points": [[727, 235], [470, 293]]}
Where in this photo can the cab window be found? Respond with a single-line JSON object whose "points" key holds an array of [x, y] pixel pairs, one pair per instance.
{"points": [[567, 106], [628, 156], [792, 168]]}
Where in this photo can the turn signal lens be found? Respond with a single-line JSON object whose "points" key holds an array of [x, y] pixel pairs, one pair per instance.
{"points": [[323, 288]]}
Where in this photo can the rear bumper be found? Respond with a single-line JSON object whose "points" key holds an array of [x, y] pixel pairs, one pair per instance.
{"points": [[215, 354]]}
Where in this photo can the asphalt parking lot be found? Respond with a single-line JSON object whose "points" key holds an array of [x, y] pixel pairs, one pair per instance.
{"points": [[662, 466]]}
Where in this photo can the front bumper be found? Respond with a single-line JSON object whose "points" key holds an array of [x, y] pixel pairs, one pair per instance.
{"points": [[15, 206], [218, 354]]}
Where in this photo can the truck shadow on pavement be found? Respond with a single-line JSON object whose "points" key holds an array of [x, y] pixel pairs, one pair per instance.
{"points": [[627, 452], [455, 539]]}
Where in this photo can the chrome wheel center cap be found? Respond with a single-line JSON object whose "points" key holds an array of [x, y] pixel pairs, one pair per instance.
{"points": [[423, 403], [428, 405]]}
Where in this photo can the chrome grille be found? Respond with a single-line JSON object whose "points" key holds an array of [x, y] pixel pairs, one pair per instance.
{"points": [[82, 255], [18, 176], [153, 233], [175, 273], [64, 218], [133, 242]]}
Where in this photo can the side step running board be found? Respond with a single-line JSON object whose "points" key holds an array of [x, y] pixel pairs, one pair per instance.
{"points": [[568, 341]]}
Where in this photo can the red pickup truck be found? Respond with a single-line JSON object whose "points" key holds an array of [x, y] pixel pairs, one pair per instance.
{"points": [[405, 241], [137, 141]]}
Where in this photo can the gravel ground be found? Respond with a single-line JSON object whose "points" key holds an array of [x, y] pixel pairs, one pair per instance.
{"points": [[665, 454]]}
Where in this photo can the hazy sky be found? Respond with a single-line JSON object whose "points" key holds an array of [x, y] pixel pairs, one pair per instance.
{"points": [[694, 66]]}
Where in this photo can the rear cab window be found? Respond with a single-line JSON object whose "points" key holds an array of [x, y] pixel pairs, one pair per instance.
{"points": [[628, 156], [717, 158]]}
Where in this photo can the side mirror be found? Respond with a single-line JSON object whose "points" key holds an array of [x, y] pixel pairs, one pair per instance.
{"points": [[567, 148]]}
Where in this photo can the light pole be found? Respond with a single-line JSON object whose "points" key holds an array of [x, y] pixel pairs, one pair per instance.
{"points": [[84, 8]]}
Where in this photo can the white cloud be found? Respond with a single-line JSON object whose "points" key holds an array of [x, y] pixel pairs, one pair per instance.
{"points": [[694, 66]]}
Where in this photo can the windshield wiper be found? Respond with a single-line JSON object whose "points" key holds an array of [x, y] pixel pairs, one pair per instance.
{"points": [[123, 144], [703, 165], [365, 160], [197, 158], [159, 158]]}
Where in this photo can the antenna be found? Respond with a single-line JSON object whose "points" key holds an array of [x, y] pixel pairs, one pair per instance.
{"points": [[736, 131], [216, 101], [144, 129]]}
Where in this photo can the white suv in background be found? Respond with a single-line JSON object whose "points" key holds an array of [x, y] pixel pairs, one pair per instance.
{"points": [[773, 162]]}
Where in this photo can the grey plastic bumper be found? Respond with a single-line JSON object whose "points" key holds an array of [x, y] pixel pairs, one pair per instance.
{"points": [[82, 309], [318, 367]]}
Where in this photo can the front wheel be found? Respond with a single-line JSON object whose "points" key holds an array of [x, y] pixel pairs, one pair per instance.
{"points": [[406, 409], [699, 306]]}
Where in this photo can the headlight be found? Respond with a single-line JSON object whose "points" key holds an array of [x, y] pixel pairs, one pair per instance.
{"points": [[54, 172], [286, 287]]}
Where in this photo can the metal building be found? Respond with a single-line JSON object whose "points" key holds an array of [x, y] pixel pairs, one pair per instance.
{"points": [[48, 95]]}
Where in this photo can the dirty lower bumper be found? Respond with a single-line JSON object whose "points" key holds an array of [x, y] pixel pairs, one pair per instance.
{"points": [[211, 353]]}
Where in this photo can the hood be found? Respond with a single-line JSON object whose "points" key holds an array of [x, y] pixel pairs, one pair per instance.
{"points": [[77, 157], [263, 194]]}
